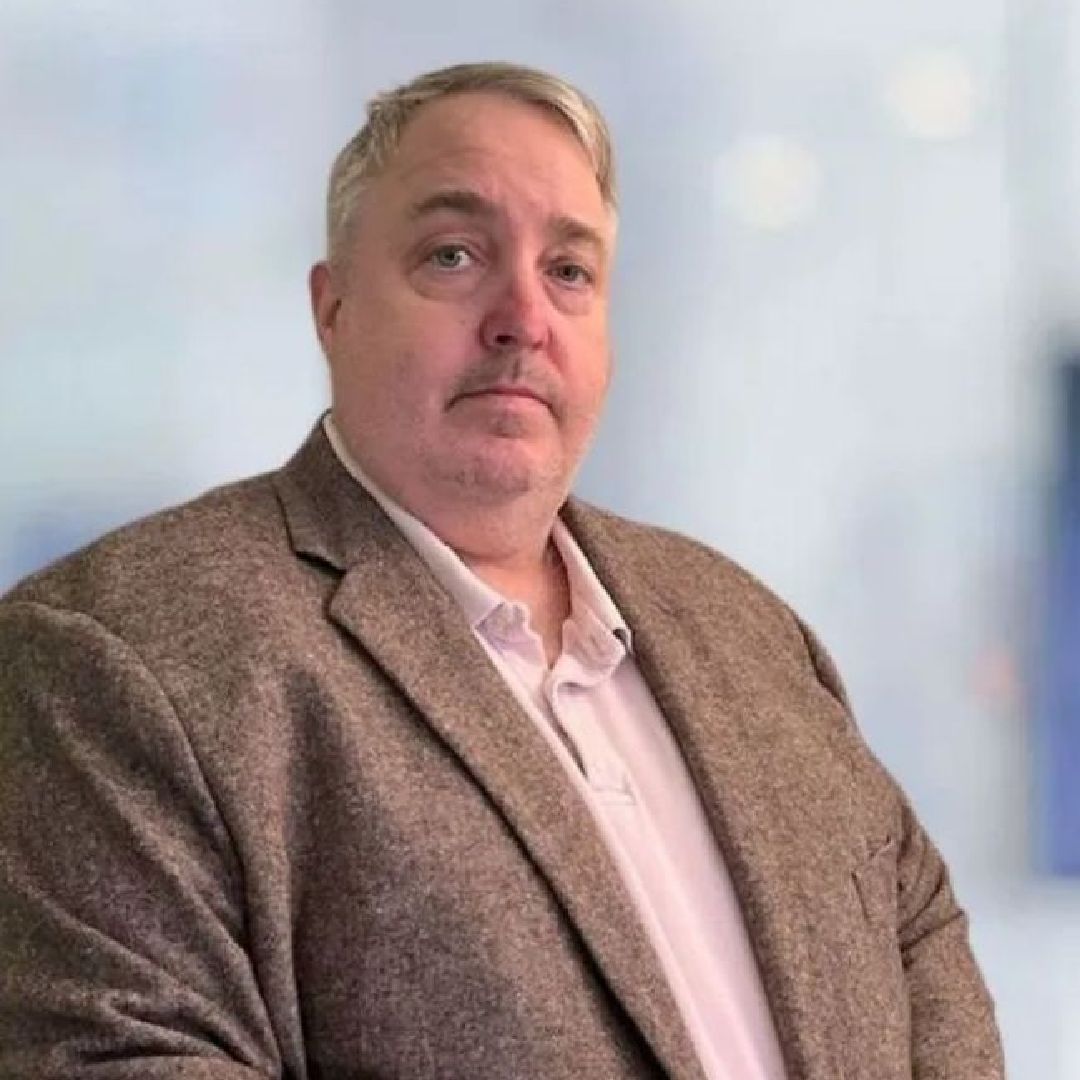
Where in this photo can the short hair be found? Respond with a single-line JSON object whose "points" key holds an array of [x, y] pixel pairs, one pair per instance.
{"points": [[367, 153]]}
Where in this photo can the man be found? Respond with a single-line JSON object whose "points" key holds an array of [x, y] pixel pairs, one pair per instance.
{"points": [[399, 762]]}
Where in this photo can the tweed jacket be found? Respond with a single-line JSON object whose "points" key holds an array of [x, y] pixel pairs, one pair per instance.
{"points": [[268, 810]]}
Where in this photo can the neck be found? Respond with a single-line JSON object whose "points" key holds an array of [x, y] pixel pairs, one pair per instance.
{"points": [[510, 548], [507, 545], [542, 585]]}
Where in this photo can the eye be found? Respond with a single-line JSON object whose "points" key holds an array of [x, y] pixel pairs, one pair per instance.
{"points": [[450, 257], [573, 274]]}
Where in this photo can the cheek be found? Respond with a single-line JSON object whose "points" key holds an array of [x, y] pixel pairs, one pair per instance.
{"points": [[433, 332], [408, 344], [594, 366]]}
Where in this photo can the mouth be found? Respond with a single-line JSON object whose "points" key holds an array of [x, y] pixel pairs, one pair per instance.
{"points": [[521, 393]]}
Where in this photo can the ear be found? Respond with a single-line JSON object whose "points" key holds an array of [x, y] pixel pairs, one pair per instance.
{"points": [[325, 293]]}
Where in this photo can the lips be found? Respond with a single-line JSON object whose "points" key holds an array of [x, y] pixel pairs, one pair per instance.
{"points": [[508, 377], [507, 391]]}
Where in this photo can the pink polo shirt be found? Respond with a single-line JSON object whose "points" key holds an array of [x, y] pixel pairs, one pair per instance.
{"points": [[603, 724]]}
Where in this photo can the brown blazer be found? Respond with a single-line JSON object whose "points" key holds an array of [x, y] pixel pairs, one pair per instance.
{"points": [[267, 810]]}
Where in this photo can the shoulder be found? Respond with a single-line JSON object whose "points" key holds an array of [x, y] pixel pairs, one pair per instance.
{"points": [[690, 573], [172, 573], [724, 607]]}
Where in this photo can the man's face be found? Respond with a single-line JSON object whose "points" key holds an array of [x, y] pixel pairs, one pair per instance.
{"points": [[467, 330]]}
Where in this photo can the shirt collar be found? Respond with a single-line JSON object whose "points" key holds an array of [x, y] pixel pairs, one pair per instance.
{"points": [[587, 593], [477, 599]]}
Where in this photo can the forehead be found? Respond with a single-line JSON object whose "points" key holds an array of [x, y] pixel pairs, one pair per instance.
{"points": [[497, 146]]}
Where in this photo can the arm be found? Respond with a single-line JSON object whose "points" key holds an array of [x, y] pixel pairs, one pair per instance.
{"points": [[122, 951], [954, 1035]]}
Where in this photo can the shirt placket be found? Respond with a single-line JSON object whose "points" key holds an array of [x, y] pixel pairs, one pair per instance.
{"points": [[568, 690]]}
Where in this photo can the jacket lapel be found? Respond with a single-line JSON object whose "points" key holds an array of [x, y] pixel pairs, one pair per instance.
{"points": [[414, 631], [740, 784]]}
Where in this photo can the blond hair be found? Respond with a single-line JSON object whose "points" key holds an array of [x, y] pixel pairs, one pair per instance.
{"points": [[366, 154]]}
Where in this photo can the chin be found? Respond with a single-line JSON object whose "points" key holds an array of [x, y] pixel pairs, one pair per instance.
{"points": [[499, 475]]}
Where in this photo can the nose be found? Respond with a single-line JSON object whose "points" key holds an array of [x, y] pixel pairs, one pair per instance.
{"points": [[517, 318]]}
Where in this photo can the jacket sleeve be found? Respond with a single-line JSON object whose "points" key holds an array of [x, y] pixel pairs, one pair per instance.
{"points": [[122, 951], [954, 1035]]}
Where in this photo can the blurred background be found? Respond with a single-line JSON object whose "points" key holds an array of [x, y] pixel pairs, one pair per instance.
{"points": [[847, 316]]}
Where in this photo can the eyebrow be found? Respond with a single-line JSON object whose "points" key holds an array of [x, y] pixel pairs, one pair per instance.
{"points": [[569, 230], [460, 201], [566, 229]]}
